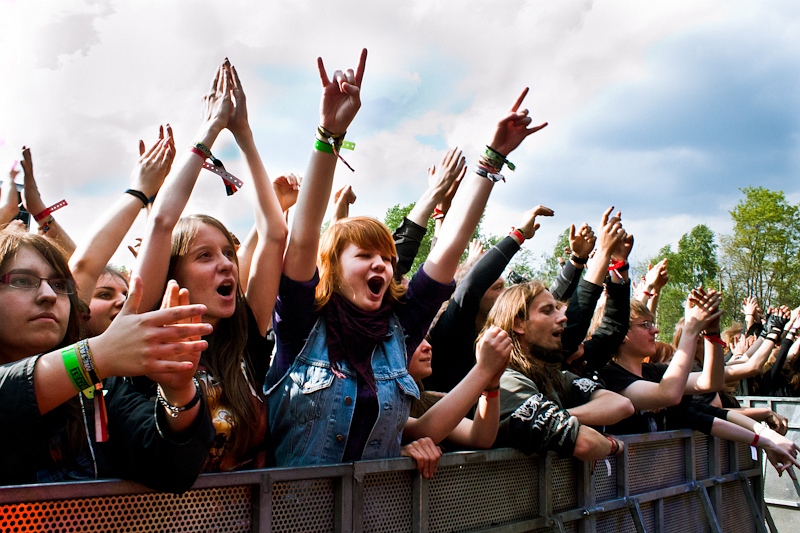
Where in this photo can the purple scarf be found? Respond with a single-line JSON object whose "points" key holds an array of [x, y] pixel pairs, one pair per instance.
{"points": [[353, 334]]}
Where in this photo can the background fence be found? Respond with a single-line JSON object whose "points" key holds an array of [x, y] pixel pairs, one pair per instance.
{"points": [[782, 494], [673, 481]]}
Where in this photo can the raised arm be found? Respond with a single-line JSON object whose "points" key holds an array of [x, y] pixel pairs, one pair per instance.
{"points": [[342, 200], [341, 100], [90, 258], [712, 377], [755, 362], [669, 391], [469, 202], [9, 205], [446, 417], [153, 261], [267, 262], [32, 200]]}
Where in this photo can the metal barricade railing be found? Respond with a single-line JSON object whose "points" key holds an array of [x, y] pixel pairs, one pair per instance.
{"points": [[671, 481], [781, 494]]}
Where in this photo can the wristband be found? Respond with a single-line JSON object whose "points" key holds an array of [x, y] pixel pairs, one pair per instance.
{"points": [[438, 214], [140, 195], [174, 410], [755, 440], [74, 370], [45, 227], [55, 207], [231, 182], [614, 445], [495, 156], [578, 260], [648, 294], [493, 176], [715, 338], [87, 359], [332, 144], [516, 232], [490, 394]]}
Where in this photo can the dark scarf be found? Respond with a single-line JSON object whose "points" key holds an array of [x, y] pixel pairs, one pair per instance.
{"points": [[353, 334]]}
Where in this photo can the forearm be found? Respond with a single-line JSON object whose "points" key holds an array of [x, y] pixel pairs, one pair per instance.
{"points": [[608, 337], [440, 420], [674, 383], [753, 365], [422, 210], [245, 256], [300, 261], [604, 409], [591, 445], [458, 227], [566, 282], [91, 257], [712, 378], [480, 432]]}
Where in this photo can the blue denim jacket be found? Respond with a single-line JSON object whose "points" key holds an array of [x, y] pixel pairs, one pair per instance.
{"points": [[310, 408]]}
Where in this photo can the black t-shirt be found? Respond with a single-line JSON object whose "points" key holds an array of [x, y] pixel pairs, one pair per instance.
{"points": [[678, 416]]}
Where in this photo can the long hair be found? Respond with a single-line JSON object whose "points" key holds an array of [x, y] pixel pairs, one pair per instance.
{"points": [[364, 232], [227, 346], [10, 244], [513, 305]]}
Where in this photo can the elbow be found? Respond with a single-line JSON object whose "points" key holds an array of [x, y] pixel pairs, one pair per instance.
{"points": [[624, 408], [161, 221], [277, 235], [484, 440]]}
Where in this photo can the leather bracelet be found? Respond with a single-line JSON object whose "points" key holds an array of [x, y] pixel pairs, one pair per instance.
{"points": [[174, 410]]}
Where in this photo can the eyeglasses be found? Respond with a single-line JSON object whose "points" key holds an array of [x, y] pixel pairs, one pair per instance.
{"points": [[31, 282], [646, 325]]}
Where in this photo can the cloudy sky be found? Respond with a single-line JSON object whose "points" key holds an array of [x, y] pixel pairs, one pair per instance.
{"points": [[663, 109]]}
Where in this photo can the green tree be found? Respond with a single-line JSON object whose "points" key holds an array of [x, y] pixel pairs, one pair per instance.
{"points": [[695, 263], [762, 257]]}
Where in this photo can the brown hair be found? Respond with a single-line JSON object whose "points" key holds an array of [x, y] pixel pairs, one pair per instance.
{"points": [[227, 346], [10, 244], [364, 232], [514, 304]]}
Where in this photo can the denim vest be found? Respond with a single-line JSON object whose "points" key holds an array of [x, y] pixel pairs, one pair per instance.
{"points": [[310, 408]]}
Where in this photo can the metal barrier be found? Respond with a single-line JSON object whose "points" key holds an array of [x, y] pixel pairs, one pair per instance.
{"points": [[781, 494], [673, 481]]}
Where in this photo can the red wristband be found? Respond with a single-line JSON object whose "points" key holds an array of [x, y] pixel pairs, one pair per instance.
{"points": [[55, 207], [715, 339], [491, 394], [198, 152], [755, 440]]}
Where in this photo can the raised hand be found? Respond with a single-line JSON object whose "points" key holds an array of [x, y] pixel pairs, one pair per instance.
{"points": [[287, 187], [446, 179], [513, 128], [581, 242], [425, 453], [217, 104], [341, 96], [657, 276], [492, 351], [237, 121], [610, 235], [153, 343], [750, 307], [154, 164], [702, 310], [343, 198], [9, 206], [474, 251], [529, 225], [31, 198]]}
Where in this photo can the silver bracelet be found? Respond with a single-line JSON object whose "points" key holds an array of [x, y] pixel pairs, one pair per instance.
{"points": [[174, 410]]}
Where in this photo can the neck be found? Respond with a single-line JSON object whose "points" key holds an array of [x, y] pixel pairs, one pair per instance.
{"points": [[630, 362]]}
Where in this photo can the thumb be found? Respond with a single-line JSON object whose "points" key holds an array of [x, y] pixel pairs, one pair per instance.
{"points": [[131, 306], [141, 147]]}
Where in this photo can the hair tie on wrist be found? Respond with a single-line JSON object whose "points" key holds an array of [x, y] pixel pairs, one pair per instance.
{"points": [[578, 260], [140, 195]]}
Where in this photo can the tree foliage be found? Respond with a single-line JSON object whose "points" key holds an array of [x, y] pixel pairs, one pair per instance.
{"points": [[762, 256]]}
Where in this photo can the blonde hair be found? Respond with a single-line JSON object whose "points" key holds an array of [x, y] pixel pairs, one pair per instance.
{"points": [[364, 232]]}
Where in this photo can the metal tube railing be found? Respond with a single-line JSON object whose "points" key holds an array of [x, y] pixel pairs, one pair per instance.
{"points": [[670, 481]]}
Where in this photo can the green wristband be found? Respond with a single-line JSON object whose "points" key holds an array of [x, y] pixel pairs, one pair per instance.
{"points": [[323, 147], [76, 373]]}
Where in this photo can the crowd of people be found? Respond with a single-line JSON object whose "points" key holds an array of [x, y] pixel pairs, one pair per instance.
{"points": [[307, 347]]}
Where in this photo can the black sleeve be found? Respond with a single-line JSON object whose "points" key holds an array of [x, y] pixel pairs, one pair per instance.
{"points": [[407, 239], [608, 337], [539, 426], [580, 390], [142, 447], [453, 335], [579, 315], [566, 282], [694, 414], [770, 380]]}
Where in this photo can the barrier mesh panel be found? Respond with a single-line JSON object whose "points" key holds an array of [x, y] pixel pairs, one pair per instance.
{"points": [[736, 516], [303, 506], [701, 443], [685, 514], [219, 509], [743, 455], [497, 492], [565, 487], [620, 520], [387, 502], [605, 486], [724, 457], [655, 465]]}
